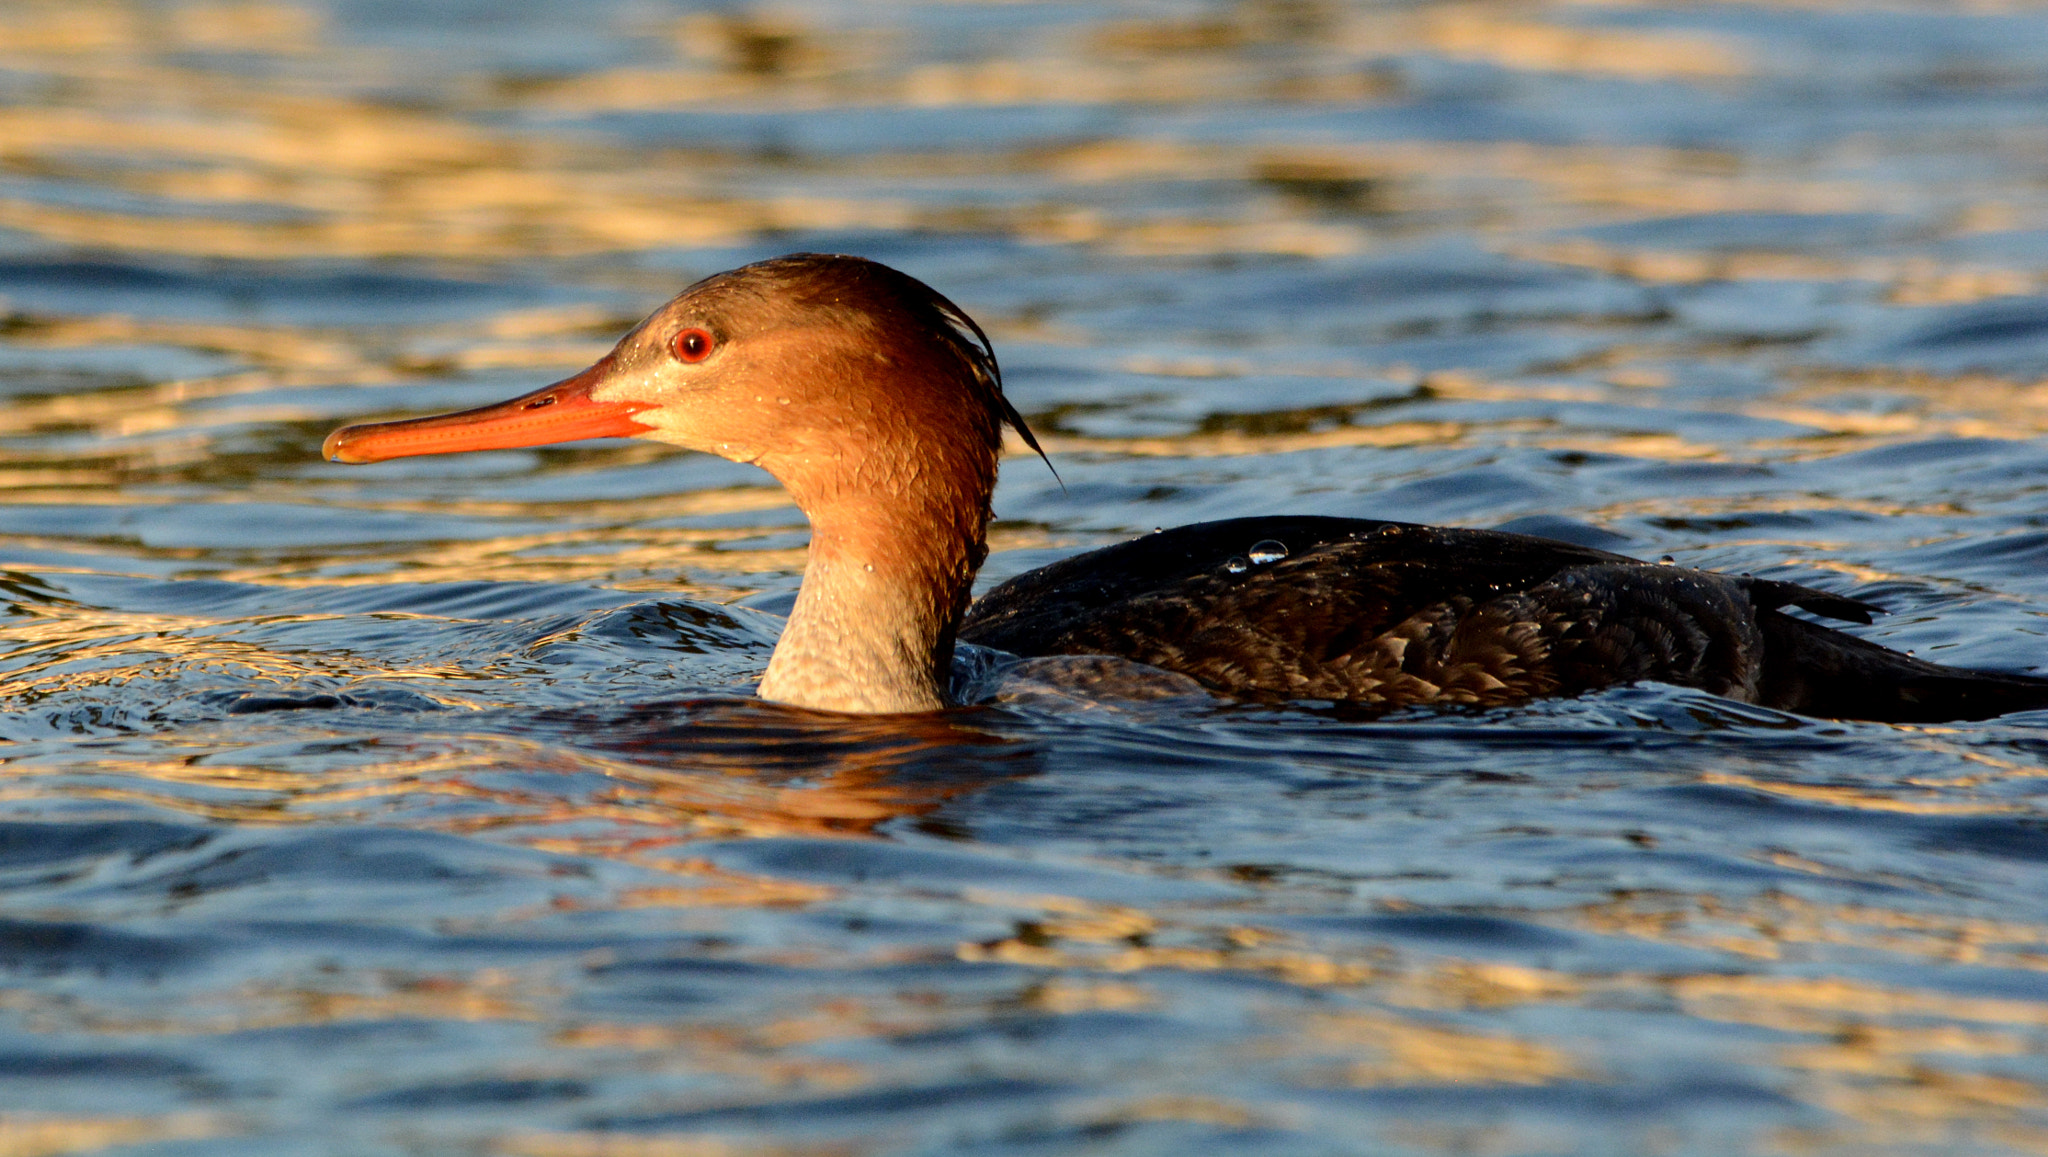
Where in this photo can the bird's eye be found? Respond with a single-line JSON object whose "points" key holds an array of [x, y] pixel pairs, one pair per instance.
{"points": [[691, 345]]}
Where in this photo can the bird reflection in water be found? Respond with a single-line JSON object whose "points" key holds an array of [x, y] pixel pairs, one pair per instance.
{"points": [[744, 767]]}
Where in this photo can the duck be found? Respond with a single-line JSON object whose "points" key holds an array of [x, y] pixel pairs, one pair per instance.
{"points": [[878, 405]]}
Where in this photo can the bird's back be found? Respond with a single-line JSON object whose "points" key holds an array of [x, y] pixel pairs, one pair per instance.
{"points": [[1393, 614]]}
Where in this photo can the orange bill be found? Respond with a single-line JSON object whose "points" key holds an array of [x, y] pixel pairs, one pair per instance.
{"points": [[563, 412]]}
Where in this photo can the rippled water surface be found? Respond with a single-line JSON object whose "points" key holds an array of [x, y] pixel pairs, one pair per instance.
{"points": [[423, 808]]}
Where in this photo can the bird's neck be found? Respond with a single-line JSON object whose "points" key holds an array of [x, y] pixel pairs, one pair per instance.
{"points": [[890, 573]]}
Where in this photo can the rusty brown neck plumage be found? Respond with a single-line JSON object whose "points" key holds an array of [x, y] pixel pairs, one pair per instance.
{"points": [[882, 594], [897, 493]]}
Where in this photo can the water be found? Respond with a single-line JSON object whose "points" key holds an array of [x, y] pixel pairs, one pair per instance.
{"points": [[421, 808]]}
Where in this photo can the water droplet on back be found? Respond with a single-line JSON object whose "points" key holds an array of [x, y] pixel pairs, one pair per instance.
{"points": [[1667, 560], [1267, 552], [1237, 564]]}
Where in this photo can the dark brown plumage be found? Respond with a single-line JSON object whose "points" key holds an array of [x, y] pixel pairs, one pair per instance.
{"points": [[1392, 614]]}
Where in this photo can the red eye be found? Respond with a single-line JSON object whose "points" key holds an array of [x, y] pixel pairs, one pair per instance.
{"points": [[691, 345]]}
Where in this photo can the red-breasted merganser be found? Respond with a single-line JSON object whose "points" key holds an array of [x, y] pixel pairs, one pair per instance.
{"points": [[878, 404]]}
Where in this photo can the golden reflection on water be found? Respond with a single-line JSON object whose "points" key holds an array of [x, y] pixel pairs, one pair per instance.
{"points": [[361, 179], [609, 1144], [51, 1135], [230, 164]]}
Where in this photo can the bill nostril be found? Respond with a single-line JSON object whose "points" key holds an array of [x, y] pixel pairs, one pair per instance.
{"points": [[537, 403]]}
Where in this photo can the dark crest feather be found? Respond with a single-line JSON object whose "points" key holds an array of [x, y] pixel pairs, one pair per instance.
{"points": [[983, 355]]}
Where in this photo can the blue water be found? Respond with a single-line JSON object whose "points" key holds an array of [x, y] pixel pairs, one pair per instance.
{"points": [[423, 808]]}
